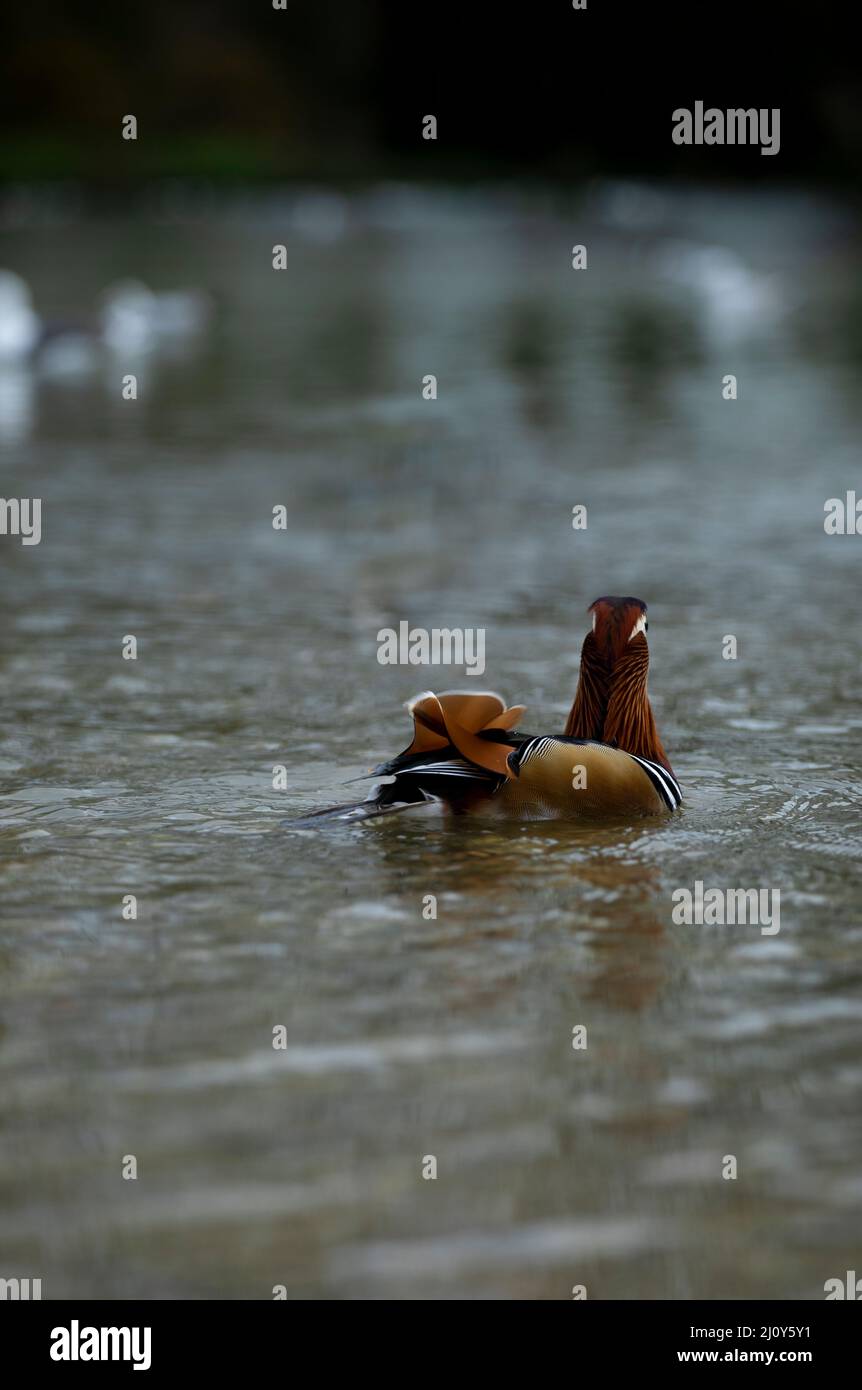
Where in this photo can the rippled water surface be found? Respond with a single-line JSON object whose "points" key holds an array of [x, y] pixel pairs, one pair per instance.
{"points": [[452, 1037]]}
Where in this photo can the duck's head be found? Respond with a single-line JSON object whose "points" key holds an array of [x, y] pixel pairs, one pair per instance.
{"points": [[616, 622]]}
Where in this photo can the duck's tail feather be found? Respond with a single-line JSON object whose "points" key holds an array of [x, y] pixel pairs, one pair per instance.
{"points": [[386, 798]]}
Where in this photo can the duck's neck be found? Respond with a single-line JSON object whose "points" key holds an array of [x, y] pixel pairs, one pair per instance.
{"points": [[587, 715], [611, 704]]}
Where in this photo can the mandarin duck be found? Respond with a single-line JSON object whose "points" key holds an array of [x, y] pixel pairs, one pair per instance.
{"points": [[608, 762]]}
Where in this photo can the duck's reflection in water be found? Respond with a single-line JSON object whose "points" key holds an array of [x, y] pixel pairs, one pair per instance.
{"points": [[547, 910]]}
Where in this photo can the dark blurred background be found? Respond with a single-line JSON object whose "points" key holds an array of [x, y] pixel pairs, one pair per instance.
{"points": [[336, 90]]}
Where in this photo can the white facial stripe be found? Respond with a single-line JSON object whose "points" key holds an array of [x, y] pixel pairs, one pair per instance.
{"points": [[640, 626], [594, 622]]}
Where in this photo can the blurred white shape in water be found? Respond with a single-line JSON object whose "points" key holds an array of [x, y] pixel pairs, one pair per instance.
{"points": [[128, 316], [735, 301], [320, 216], [16, 402], [134, 318], [181, 313], [19, 322], [68, 353], [629, 206]]}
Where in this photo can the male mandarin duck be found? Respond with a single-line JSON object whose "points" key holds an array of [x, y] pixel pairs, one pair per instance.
{"points": [[609, 761]]}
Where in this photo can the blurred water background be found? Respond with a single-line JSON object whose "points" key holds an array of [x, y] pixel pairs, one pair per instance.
{"points": [[408, 1037]]}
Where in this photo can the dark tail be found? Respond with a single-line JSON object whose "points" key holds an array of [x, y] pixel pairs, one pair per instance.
{"points": [[386, 799]]}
